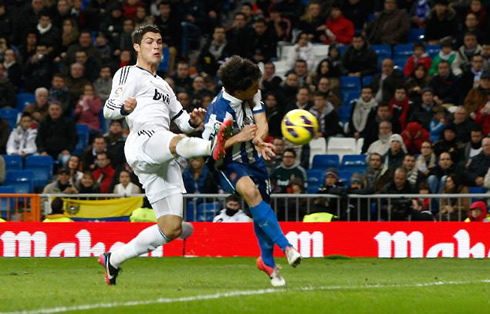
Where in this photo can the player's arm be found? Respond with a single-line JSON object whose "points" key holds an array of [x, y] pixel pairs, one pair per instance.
{"points": [[121, 101], [186, 122], [265, 149]]}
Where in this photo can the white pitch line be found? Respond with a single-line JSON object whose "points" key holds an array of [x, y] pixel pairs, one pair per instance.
{"points": [[235, 294]]}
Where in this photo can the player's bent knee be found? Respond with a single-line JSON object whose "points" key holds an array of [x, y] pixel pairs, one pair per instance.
{"points": [[170, 226], [173, 143], [247, 189]]}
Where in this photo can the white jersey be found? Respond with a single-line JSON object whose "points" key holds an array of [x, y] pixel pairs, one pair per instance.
{"points": [[240, 216]]}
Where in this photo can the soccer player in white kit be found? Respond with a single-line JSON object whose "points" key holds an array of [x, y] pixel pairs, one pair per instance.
{"points": [[149, 106]]}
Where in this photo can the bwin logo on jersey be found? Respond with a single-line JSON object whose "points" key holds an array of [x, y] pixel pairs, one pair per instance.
{"points": [[163, 97]]}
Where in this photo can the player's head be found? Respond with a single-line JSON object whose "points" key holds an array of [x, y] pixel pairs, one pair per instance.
{"points": [[240, 77], [148, 43]]}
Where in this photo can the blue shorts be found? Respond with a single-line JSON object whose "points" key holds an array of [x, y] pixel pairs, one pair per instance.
{"points": [[230, 173]]}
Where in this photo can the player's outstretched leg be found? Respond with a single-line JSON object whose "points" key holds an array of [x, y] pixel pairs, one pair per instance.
{"points": [[266, 262]]}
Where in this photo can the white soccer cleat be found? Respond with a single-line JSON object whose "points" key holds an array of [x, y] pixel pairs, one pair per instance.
{"points": [[273, 272], [293, 256]]}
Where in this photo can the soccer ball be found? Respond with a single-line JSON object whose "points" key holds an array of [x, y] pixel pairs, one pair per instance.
{"points": [[299, 126]]}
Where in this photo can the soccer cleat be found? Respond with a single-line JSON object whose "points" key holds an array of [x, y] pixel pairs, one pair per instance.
{"points": [[111, 272], [272, 272], [293, 256], [218, 150]]}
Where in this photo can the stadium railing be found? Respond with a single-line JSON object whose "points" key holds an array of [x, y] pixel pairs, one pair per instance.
{"points": [[20, 207], [288, 207]]}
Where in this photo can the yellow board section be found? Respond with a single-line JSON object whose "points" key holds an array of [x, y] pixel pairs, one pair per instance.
{"points": [[101, 208]]}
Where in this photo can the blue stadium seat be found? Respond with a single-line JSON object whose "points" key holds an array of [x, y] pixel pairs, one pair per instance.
{"points": [[342, 49], [325, 161], [344, 176], [190, 216], [207, 211], [83, 135], [21, 188], [103, 124], [13, 177], [476, 190], [315, 177], [350, 83], [347, 96], [12, 162], [41, 167], [403, 50], [400, 62], [354, 163], [10, 115], [367, 80], [344, 112], [432, 50], [382, 51], [164, 64], [415, 34], [312, 189], [24, 99]]}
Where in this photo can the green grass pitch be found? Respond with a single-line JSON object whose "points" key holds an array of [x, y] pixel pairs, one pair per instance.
{"points": [[234, 285]]}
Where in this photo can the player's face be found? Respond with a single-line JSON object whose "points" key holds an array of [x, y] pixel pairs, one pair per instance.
{"points": [[250, 92], [150, 49]]}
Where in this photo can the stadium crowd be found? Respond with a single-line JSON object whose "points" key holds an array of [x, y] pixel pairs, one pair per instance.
{"points": [[424, 116]]}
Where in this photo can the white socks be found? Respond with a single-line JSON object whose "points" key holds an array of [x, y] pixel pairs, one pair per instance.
{"points": [[189, 147], [146, 241]]}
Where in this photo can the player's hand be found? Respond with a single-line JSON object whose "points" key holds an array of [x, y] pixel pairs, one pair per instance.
{"points": [[264, 149], [247, 133], [130, 104], [197, 116]]}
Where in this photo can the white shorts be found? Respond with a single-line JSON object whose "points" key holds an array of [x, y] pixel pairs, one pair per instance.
{"points": [[170, 205], [153, 163]]}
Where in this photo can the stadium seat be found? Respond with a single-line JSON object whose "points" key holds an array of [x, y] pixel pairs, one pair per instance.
{"points": [[41, 167], [24, 99], [325, 161], [83, 135], [13, 177], [281, 68], [344, 176], [348, 96], [6, 202], [321, 52], [207, 211], [341, 146], [400, 63], [164, 64], [10, 115], [359, 144], [382, 51], [432, 50], [14, 162], [403, 50], [342, 49], [355, 162], [318, 146], [21, 188], [315, 177], [190, 215], [344, 112], [416, 34], [367, 80], [350, 84], [312, 189], [477, 190]]}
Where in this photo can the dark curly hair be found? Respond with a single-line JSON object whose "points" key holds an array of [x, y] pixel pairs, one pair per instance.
{"points": [[238, 73]]}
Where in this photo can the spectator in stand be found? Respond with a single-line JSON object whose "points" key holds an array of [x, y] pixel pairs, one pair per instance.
{"points": [[61, 184], [324, 86], [90, 66], [185, 99], [419, 212], [280, 24], [28, 47], [312, 22], [385, 83], [377, 174], [301, 70], [124, 40], [482, 118], [264, 44], [486, 54], [275, 161], [477, 8], [48, 33], [391, 26], [359, 59], [56, 135], [471, 26], [182, 78], [326, 69], [394, 156], [338, 29], [478, 97], [287, 171], [454, 209], [361, 108], [59, 92], [464, 54], [104, 172], [474, 146], [198, 91], [198, 178], [142, 17], [478, 212], [328, 120], [402, 104], [471, 77], [414, 176], [357, 11], [290, 87], [7, 89], [444, 85], [4, 135], [438, 174], [477, 166], [274, 114], [445, 54], [13, 68], [22, 139], [76, 81], [99, 145], [6, 22], [302, 50], [103, 83], [38, 69], [416, 82], [419, 57], [69, 35], [378, 114], [397, 208], [358, 209], [214, 52], [449, 143], [239, 34], [125, 186], [115, 139], [270, 82], [427, 159], [39, 109], [420, 12], [232, 211], [87, 184], [57, 213], [88, 108], [438, 123], [73, 168], [441, 23], [85, 44], [332, 185], [30, 15], [423, 112], [413, 137], [382, 145], [462, 124]]}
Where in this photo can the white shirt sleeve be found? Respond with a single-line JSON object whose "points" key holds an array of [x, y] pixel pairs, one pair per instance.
{"points": [[178, 115], [123, 86], [31, 146], [11, 150]]}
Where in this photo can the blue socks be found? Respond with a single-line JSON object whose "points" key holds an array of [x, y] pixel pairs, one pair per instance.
{"points": [[265, 220]]}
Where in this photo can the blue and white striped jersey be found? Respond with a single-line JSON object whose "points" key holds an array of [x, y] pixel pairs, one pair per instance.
{"points": [[226, 107]]}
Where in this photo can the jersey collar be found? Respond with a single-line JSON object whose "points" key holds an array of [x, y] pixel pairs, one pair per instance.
{"points": [[233, 100], [141, 68]]}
